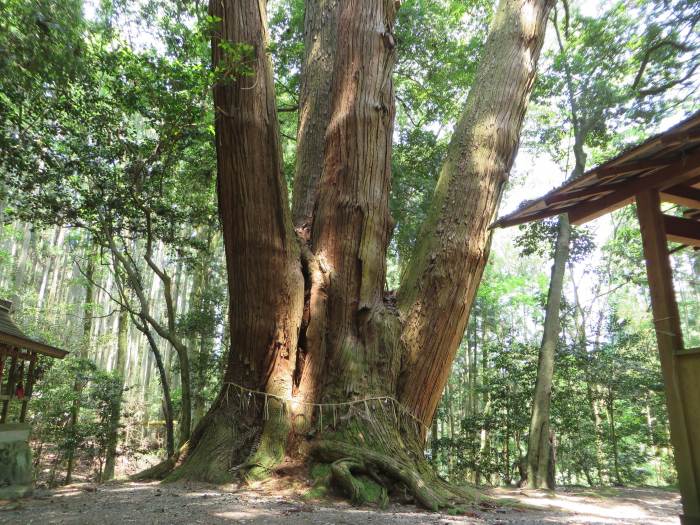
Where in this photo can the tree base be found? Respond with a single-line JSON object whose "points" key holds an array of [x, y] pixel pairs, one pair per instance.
{"points": [[369, 458]]}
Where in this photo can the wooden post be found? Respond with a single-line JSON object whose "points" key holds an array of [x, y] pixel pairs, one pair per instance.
{"points": [[11, 390], [29, 387], [2, 364], [679, 400]]}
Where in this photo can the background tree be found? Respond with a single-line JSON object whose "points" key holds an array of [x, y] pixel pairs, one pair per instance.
{"points": [[593, 97]]}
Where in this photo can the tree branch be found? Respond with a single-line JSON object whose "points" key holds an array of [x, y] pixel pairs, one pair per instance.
{"points": [[650, 51]]}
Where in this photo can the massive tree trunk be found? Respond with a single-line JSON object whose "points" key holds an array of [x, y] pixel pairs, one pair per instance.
{"points": [[322, 367], [266, 285], [438, 289]]}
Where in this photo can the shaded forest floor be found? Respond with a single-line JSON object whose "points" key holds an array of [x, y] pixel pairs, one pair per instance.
{"points": [[146, 503]]}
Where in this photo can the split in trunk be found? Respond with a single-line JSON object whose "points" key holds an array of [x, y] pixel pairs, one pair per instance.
{"points": [[322, 367]]}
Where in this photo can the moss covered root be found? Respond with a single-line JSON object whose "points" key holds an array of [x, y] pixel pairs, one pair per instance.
{"points": [[347, 462]]}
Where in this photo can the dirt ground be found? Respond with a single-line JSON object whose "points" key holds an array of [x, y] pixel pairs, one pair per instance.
{"points": [[153, 503]]}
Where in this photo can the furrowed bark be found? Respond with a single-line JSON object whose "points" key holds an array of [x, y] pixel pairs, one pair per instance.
{"points": [[441, 280], [320, 40], [331, 284], [366, 443], [266, 286], [352, 222]]}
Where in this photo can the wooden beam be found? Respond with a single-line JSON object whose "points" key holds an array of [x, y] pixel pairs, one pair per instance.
{"points": [[684, 231], [14, 352], [28, 388], [28, 344], [10, 389], [587, 191], [683, 195], [587, 212], [681, 171], [688, 352], [629, 167], [680, 137], [598, 189], [505, 222], [669, 339]]}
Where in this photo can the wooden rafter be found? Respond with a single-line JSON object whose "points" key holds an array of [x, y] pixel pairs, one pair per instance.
{"points": [[683, 195], [35, 346], [680, 137], [682, 230], [587, 191], [681, 171], [664, 161], [14, 352], [630, 167], [534, 216]]}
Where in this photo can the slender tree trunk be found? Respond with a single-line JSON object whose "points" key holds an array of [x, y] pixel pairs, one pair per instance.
{"points": [[84, 351], [50, 262], [538, 440], [610, 403], [434, 449], [167, 398], [20, 268], [163, 468], [186, 389], [484, 438], [119, 370]]}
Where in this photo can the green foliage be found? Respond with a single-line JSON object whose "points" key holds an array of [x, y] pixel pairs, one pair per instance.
{"points": [[438, 47], [54, 397], [539, 238], [129, 140]]}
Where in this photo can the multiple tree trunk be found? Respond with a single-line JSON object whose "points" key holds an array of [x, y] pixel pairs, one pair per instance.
{"points": [[308, 317]]}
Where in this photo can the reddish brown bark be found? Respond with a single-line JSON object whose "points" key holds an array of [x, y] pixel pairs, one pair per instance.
{"points": [[352, 223], [262, 255]]}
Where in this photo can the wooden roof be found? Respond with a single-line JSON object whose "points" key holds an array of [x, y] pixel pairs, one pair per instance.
{"points": [[11, 335], [668, 162]]}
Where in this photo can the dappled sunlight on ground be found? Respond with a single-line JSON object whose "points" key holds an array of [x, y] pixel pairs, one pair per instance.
{"points": [[633, 506], [151, 502]]}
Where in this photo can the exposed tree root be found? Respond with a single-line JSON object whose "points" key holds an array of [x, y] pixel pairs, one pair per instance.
{"points": [[345, 472], [369, 454], [346, 460]]}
